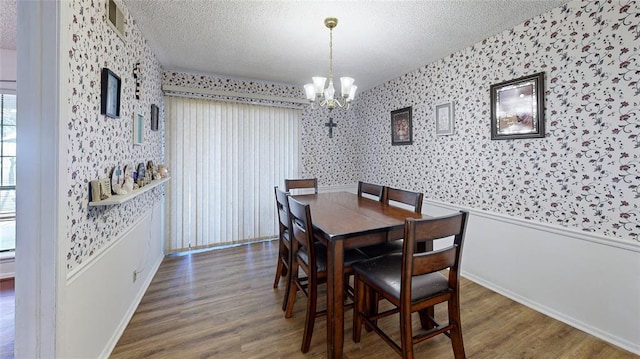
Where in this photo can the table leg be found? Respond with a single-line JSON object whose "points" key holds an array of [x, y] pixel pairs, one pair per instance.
{"points": [[335, 299]]}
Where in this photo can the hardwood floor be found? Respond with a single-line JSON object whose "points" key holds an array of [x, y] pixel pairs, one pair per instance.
{"points": [[7, 318], [221, 304]]}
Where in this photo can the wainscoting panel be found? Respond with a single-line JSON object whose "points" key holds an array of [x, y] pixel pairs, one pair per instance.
{"points": [[587, 281], [104, 294]]}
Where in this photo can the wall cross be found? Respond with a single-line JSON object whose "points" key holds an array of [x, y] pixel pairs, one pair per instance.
{"points": [[331, 125]]}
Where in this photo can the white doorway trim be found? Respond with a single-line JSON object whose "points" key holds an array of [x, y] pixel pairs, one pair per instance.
{"points": [[39, 287]]}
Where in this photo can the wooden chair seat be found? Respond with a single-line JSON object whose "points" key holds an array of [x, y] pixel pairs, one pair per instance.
{"points": [[381, 249], [388, 276]]}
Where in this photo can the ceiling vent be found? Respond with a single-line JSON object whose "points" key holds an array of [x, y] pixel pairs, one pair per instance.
{"points": [[115, 18]]}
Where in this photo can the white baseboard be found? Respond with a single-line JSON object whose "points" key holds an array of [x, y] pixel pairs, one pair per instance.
{"points": [[7, 265], [615, 340]]}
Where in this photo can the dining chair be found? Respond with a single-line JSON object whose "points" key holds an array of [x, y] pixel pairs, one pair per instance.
{"points": [[370, 190], [311, 257], [301, 183], [414, 282], [406, 199], [283, 267], [399, 196]]}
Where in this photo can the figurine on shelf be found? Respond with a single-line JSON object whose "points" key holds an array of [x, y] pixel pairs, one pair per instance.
{"points": [[148, 174], [117, 180], [105, 188], [128, 183], [140, 180], [153, 170], [163, 171]]}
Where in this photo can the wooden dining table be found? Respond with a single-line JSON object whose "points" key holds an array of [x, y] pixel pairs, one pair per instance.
{"points": [[344, 220]]}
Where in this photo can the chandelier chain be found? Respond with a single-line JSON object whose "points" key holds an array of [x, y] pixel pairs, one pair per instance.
{"points": [[331, 54]]}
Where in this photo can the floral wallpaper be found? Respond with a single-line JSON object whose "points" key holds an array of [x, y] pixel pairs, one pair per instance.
{"points": [[96, 143], [584, 174]]}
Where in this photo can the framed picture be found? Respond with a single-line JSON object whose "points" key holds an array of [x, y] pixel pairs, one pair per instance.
{"points": [[517, 108], [138, 129], [444, 119], [155, 115], [110, 94], [401, 127]]}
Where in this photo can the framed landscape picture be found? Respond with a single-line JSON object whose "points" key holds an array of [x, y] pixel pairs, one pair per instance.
{"points": [[517, 108], [401, 127]]}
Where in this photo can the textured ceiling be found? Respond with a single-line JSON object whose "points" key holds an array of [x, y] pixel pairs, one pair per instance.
{"points": [[287, 42]]}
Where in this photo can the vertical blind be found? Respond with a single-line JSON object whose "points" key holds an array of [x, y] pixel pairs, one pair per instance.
{"points": [[225, 158]]}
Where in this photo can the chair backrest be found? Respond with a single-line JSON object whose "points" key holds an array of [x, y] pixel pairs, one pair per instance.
{"points": [[371, 189], [282, 206], [424, 230], [302, 232], [413, 199], [301, 183]]}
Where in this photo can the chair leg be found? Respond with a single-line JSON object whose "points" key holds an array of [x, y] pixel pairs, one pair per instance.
{"points": [[310, 319], [373, 302], [424, 318], [406, 333], [456, 332], [292, 290], [285, 300], [279, 270], [359, 307]]}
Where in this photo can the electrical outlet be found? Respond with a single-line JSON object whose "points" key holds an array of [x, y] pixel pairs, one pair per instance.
{"points": [[135, 276]]}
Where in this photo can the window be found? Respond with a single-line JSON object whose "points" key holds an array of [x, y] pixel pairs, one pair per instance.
{"points": [[7, 172]]}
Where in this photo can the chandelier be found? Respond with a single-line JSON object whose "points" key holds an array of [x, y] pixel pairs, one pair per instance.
{"points": [[325, 97]]}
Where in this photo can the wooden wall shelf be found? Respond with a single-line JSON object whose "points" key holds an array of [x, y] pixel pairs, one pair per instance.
{"points": [[121, 198]]}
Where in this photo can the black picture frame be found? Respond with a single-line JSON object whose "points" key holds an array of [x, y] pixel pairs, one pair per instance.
{"points": [[517, 108], [401, 127], [110, 94], [155, 117]]}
